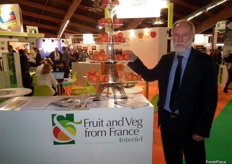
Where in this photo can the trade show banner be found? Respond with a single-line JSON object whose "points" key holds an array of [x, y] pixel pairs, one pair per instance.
{"points": [[47, 45], [96, 135], [228, 39], [11, 18], [11, 63]]}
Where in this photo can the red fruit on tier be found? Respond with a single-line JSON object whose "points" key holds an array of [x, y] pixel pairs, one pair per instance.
{"points": [[109, 20], [101, 78], [122, 39], [95, 57], [96, 53], [120, 34], [99, 22], [103, 37], [95, 79], [105, 58], [99, 35], [126, 57], [94, 76], [116, 39], [97, 73], [120, 57], [124, 52], [92, 71], [106, 79], [100, 56], [103, 20], [131, 76], [108, 40], [105, 34], [116, 2], [105, 2], [102, 52]]}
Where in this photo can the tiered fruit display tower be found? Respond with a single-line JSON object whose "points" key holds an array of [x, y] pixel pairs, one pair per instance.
{"points": [[109, 40]]}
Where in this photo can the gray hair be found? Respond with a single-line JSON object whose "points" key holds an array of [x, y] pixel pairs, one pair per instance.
{"points": [[191, 25]]}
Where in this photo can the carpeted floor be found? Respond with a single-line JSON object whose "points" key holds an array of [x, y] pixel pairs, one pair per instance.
{"points": [[219, 152], [219, 145]]}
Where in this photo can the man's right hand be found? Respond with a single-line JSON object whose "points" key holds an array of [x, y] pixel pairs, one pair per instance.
{"points": [[132, 56]]}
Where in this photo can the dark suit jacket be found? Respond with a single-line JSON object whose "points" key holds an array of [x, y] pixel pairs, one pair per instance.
{"points": [[198, 90], [52, 56]]}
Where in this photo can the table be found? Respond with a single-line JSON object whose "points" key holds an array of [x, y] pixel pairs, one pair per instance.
{"points": [[100, 133], [14, 92], [131, 90]]}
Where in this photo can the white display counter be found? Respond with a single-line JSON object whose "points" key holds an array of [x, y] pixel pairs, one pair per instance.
{"points": [[100, 133]]}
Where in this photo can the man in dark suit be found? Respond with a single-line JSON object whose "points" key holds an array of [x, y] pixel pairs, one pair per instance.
{"points": [[184, 128], [56, 58]]}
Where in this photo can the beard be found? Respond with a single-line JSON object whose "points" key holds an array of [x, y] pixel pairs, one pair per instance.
{"points": [[181, 48]]}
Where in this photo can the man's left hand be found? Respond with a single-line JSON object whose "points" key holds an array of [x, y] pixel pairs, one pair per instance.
{"points": [[196, 137]]}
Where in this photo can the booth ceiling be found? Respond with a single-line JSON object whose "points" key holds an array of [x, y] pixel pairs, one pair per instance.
{"points": [[50, 16]]}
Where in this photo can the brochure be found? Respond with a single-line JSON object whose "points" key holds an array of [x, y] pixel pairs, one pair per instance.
{"points": [[132, 103], [13, 104]]}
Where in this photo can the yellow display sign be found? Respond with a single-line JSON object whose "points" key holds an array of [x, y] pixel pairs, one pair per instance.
{"points": [[10, 18]]}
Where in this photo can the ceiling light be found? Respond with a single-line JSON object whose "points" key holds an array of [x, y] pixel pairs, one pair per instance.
{"points": [[63, 28], [205, 8]]}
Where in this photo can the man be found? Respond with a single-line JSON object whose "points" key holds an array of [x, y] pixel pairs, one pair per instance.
{"points": [[183, 128], [56, 58], [65, 56], [26, 78], [82, 56], [11, 49]]}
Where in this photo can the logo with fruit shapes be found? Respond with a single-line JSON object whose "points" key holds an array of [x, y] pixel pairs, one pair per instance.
{"points": [[64, 129]]}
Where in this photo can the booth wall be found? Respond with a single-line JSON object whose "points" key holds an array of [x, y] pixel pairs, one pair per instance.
{"points": [[148, 49]]}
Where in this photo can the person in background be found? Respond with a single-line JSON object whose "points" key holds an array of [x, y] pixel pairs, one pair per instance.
{"points": [[26, 78], [74, 55], [63, 67], [46, 60], [218, 57], [38, 57], [82, 55], [56, 57], [45, 77], [228, 63], [31, 59], [10, 48], [65, 56], [184, 119]]}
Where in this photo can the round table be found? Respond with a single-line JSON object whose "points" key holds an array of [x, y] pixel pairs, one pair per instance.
{"points": [[14, 92]]}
